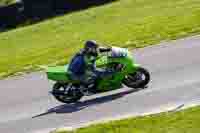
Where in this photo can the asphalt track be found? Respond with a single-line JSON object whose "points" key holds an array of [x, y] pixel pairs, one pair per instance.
{"points": [[26, 106]]}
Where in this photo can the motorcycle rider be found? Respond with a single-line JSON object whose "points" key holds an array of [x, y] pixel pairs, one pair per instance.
{"points": [[82, 66]]}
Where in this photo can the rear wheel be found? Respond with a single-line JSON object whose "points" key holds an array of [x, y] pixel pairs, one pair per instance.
{"points": [[66, 93], [139, 79]]}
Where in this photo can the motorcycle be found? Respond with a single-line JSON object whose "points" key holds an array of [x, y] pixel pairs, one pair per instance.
{"points": [[119, 60]]}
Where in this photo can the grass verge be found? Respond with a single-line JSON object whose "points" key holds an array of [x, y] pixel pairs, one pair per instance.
{"points": [[185, 121], [125, 23], [6, 2]]}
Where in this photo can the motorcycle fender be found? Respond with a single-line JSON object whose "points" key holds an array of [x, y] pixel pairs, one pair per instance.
{"points": [[137, 65]]}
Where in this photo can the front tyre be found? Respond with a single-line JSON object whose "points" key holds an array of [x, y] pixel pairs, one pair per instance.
{"points": [[139, 79], [63, 93]]}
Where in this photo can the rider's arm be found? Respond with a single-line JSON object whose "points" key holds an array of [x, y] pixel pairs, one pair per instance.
{"points": [[77, 65]]}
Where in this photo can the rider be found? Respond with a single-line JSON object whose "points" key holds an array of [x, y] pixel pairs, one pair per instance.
{"points": [[82, 66]]}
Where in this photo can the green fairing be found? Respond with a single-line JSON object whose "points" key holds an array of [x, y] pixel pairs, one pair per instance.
{"points": [[59, 73], [115, 80]]}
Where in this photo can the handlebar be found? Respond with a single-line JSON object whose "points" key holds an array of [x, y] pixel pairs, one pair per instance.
{"points": [[101, 50]]}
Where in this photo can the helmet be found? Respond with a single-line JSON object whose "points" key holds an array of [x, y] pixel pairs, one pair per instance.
{"points": [[91, 47], [91, 44]]}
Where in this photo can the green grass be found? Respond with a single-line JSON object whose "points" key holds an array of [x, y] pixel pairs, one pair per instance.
{"points": [[6, 2], [186, 121], [125, 23]]}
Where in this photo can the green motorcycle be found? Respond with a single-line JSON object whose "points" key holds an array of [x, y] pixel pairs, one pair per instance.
{"points": [[116, 59]]}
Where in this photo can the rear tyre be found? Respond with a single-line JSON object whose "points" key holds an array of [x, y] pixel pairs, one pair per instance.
{"points": [[63, 93], [139, 79]]}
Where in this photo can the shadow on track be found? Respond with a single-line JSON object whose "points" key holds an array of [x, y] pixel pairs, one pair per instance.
{"points": [[69, 108]]}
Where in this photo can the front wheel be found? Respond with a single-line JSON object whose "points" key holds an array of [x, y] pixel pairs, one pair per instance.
{"points": [[139, 79], [65, 94]]}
